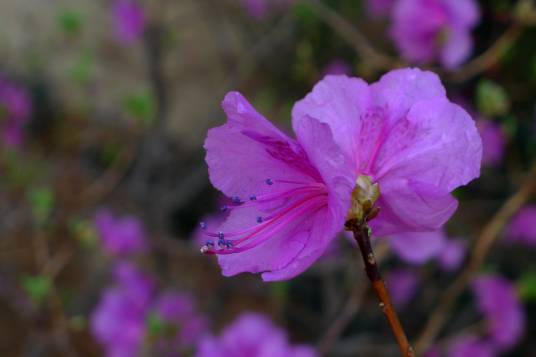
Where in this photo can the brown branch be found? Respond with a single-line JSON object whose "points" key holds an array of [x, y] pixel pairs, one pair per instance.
{"points": [[478, 254], [373, 58], [362, 236]]}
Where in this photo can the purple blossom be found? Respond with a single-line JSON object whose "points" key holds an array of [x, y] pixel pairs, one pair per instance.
{"points": [[336, 67], [129, 20], [497, 299], [493, 142], [292, 196], [120, 235], [379, 8], [178, 312], [470, 346], [252, 334], [418, 247], [402, 284], [15, 109], [452, 254], [428, 30], [118, 322], [522, 227]]}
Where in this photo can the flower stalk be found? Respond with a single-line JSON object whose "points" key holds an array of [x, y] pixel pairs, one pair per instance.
{"points": [[364, 196]]}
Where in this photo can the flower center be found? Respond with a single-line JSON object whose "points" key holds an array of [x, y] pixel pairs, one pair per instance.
{"points": [[278, 210]]}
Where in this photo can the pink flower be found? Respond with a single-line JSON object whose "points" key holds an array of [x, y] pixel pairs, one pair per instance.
{"points": [[493, 142], [120, 235], [178, 312], [452, 254], [118, 321], [418, 247], [498, 301], [428, 30], [15, 109], [292, 196], [251, 335], [522, 228], [129, 20]]}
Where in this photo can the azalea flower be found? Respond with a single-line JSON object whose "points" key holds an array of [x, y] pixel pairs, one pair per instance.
{"points": [[493, 142], [129, 20], [15, 109], [434, 30], [120, 235], [497, 299], [521, 228], [252, 334], [133, 316], [291, 196]]}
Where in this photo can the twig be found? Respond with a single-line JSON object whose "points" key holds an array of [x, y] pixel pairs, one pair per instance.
{"points": [[488, 58], [349, 310], [478, 254], [362, 236], [353, 37]]}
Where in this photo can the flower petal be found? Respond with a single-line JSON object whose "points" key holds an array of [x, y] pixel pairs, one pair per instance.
{"points": [[436, 143], [338, 101], [247, 150], [397, 91], [411, 206], [418, 247]]}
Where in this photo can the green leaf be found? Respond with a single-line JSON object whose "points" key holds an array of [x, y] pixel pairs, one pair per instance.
{"points": [[42, 202], [280, 289], [84, 232], [492, 99], [140, 106], [527, 286], [70, 21], [81, 70], [37, 287]]}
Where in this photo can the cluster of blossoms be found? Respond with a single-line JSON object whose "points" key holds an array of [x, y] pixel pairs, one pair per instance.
{"points": [[430, 30], [129, 20], [120, 236], [252, 334], [497, 301], [291, 196], [133, 316], [15, 109]]}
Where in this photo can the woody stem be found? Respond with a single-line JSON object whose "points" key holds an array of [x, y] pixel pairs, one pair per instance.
{"points": [[362, 236]]}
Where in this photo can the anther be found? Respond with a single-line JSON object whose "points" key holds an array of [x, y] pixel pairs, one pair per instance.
{"points": [[221, 235], [259, 219], [269, 181], [224, 208], [253, 198], [236, 199], [203, 225]]}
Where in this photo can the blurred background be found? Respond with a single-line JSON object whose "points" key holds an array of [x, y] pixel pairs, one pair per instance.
{"points": [[104, 107]]}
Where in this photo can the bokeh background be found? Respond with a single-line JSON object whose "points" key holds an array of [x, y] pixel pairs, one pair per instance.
{"points": [[104, 107]]}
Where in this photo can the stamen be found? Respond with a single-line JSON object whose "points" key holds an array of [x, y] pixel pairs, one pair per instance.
{"points": [[236, 199], [253, 198], [203, 225], [269, 182], [224, 208], [259, 219]]}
